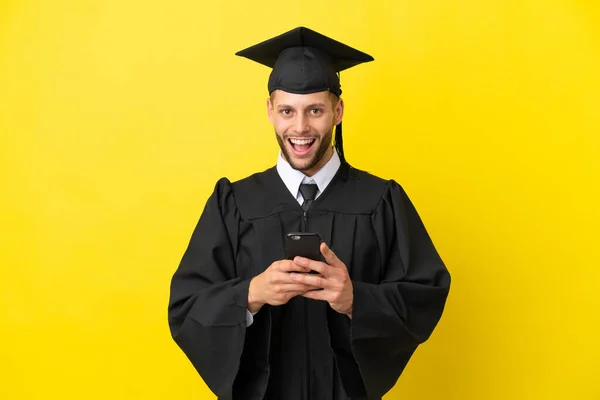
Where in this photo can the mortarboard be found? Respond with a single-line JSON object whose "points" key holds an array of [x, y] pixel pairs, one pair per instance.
{"points": [[305, 61]]}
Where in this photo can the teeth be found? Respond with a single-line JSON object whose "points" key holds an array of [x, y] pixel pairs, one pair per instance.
{"points": [[302, 141]]}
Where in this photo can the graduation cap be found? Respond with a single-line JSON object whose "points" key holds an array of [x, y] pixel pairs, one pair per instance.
{"points": [[305, 61]]}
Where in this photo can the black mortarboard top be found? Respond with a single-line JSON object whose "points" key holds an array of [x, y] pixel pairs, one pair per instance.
{"points": [[305, 61]]}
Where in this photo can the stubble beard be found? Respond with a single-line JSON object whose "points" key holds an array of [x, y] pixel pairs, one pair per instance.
{"points": [[324, 144]]}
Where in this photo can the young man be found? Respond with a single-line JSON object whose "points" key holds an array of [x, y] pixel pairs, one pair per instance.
{"points": [[257, 326]]}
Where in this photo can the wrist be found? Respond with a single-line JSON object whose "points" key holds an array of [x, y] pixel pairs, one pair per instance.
{"points": [[349, 310], [254, 303], [254, 306]]}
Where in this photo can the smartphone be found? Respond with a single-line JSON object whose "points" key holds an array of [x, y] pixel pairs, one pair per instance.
{"points": [[303, 244]]}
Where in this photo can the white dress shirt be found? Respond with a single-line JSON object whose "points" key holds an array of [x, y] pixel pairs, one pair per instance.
{"points": [[292, 178]]}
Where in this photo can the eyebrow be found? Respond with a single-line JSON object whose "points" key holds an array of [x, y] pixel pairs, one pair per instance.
{"points": [[314, 105]]}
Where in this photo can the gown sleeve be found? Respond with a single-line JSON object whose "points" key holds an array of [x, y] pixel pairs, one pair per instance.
{"points": [[390, 319], [208, 303]]}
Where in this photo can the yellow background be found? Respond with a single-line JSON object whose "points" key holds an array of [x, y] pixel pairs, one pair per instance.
{"points": [[117, 118]]}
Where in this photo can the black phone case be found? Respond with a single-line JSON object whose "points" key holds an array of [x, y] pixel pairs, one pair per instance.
{"points": [[303, 244]]}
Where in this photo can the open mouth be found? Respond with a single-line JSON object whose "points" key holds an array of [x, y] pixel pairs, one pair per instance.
{"points": [[301, 147]]}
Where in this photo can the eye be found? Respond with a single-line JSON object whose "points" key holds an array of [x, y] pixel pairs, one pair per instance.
{"points": [[285, 111], [316, 111]]}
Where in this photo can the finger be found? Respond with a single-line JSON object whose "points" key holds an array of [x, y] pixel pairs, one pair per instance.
{"points": [[317, 295], [295, 294], [290, 266], [315, 280], [295, 287], [313, 265], [329, 255], [284, 278]]}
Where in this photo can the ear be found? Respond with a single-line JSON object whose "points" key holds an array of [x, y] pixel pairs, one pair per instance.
{"points": [[270, 110], [339, 111]]}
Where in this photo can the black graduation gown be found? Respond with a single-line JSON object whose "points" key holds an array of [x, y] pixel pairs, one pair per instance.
{"points": [[303, 349]]}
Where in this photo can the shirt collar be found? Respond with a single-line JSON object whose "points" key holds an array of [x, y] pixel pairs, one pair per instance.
{"points": [[293, 178]]}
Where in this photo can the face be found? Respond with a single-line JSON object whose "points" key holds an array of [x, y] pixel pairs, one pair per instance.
{"points": [[303, 125]]}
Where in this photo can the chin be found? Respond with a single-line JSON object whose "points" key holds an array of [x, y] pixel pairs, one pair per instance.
{"points": [[302, 164]]}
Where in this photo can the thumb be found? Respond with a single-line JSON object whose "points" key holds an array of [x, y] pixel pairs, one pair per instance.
{"points": [[329, 255]]}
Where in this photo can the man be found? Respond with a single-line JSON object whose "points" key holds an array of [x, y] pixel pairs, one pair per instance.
{"points": [[256, 326]]}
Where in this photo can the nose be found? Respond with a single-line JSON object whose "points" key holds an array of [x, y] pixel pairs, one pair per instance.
{"points": [[301, 124]]}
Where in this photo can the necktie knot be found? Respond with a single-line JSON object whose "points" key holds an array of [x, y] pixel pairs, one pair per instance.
{"points": [[309, 192]]}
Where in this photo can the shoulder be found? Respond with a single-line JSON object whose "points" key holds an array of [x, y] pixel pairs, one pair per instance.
{"points": [[256, 181], [364, 178], [252, 196], [225, 187], [391, 195], [388, 201], [360, 192], [379, 186]]}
